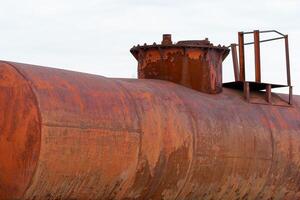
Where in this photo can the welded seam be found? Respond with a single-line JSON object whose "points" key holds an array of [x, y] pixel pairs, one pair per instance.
{"points": [[195, 129], [272, 147], [240, 122], [236, 157], [132, 99], [193, 146], [211, 186], [129, 130], [31, 87], [272, 157]]}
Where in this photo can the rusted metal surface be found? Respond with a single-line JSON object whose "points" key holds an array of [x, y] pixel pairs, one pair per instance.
{"points": [[248, 87], [256, 42], [101, 138], [167, 39], [196, 64], [268, 93], [258, 84], [257, 56], [235, 62], [20, 131], [247, 91], [287, 58], [241, 56]]}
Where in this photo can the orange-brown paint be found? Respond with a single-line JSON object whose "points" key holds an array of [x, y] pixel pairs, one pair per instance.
{"points": [[70, 135], [20, 132], [196, 64]]}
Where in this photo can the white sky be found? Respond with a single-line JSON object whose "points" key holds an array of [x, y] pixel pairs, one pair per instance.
{"points": [[95, 36]]}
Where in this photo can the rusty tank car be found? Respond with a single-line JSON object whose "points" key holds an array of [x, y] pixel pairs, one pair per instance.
{"points": [[176, 133]]}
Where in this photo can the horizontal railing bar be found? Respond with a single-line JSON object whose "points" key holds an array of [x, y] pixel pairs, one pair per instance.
{"points": [[261, 41], [249, 32], [267, 31]]}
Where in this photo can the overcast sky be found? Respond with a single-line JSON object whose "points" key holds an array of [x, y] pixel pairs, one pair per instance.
{"points": [[95, 36]]}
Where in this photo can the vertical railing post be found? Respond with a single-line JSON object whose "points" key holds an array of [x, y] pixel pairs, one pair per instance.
{"points": [[247, 91], [290, 95], [287, 57], [235, 62], [257, 56], [241, 56], [268, 93], [288, 71]]}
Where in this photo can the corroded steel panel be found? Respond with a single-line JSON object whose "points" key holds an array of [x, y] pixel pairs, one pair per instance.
{"points": [[20, 131], [102, 138], [196, 64]]}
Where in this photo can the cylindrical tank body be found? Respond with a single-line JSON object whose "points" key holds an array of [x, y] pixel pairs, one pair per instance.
{"points": [[69, 135]]}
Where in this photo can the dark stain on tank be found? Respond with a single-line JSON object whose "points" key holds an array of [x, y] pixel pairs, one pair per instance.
{"points": [[163, 184]]}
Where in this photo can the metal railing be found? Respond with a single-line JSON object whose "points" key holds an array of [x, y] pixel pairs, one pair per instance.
{"points": [[239, 59]]}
